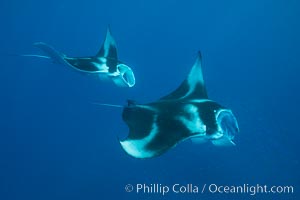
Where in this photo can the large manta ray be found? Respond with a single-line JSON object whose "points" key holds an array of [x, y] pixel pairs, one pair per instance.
{"points": [[105, 63], [186, 113]]}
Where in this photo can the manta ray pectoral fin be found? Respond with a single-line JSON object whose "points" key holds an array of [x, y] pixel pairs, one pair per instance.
{"points": [[136, 145], [137, 149], [199, 140], [125, 78], [193, 86], [56, 56], [108, 48], [223, 141], [150, 133], [146, 138]]}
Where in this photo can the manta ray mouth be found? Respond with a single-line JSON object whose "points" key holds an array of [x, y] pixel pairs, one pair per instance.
{"points": [[227, 123]]}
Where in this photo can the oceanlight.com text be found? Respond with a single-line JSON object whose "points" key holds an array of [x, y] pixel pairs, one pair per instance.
{"points": [[249, 189]]}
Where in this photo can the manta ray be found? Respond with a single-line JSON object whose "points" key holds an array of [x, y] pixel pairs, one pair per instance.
{"points": [[105, 63], [186, 113]]}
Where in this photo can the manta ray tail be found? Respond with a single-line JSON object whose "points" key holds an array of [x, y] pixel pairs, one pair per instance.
{"points": [[108, 105], [34, 55]]}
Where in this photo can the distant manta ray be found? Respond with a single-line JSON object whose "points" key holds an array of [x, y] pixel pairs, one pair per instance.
{"points": [[105, 63], [186, 113]]}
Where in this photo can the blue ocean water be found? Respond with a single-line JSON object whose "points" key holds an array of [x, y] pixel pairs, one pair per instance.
{"points": [[56, 144]]}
